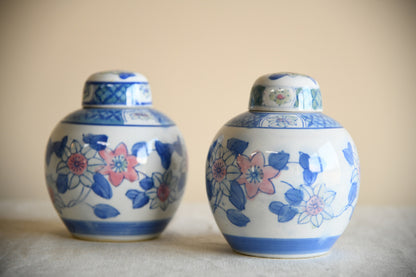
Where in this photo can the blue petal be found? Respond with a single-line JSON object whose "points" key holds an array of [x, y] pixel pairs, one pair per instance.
{"points": [[101, 186], [237, 197], [62, 183], [279, 160], [352, 194], [304, 160], [309, 177], [294, 196], [275, 207], [139, 198], [237, 218], [96, 142], [237, 146], [105, 211], [287, 213], [125, 75], [277, 76], [165, 152], [147, 183], [140, 149], [349, 154]]}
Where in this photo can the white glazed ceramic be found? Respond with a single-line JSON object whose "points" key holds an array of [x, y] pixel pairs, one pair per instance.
{"points": [[283, 178], [116, 168]]}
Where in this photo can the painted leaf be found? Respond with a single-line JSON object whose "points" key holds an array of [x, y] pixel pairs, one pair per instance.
{"points": [[275, 207], [165, 153], [349, 154], [49, 152], [105, 211], [279, 160], [257, 95], [146, 183], [177, 147], [294, 196], [237, 218], [125, 75], [101, 186], [352, 194], [309, 177], [237, 197], [140, 149], [182, 182], [139, 198], [211, 149], [209, 188], [287, 213], [237, 146], [62, 183], [277, 76], [96, 142], [304, 160]]}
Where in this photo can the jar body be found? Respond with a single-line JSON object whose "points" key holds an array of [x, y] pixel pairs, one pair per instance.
{"points": [[116, 174], [282, 184]]}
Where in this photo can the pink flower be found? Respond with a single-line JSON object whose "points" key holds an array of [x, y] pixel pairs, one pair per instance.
{"points": [[119, 165], [255, 175]]}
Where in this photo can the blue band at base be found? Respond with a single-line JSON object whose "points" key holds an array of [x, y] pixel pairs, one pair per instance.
{"points": [[115, 228], [273, 246]]}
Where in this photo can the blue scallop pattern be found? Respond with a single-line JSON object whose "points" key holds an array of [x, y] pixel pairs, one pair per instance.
{"points": [[281, 120], [119, 117]]}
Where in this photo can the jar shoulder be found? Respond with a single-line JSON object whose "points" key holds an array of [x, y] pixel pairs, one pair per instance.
{"points": [[144, 116], [283, 120]]}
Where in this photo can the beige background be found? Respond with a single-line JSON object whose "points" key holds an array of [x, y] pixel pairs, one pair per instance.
{"points": [[201, 58]]}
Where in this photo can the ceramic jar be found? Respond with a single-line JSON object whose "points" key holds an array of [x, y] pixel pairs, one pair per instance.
{"points": [[283, 178], [116, 168]]}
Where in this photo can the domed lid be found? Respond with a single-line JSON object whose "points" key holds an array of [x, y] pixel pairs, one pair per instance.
{"points": [[285, 92], [117, 89]]}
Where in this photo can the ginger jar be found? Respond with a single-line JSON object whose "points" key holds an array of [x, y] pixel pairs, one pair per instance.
{"points": [[116, 169], [283, 178]]}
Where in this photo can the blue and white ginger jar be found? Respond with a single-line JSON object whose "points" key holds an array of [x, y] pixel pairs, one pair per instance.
{"points": [[116, 169], [283, 178]]}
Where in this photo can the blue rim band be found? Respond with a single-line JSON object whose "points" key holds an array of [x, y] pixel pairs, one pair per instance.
{"points": [[273, 246], [115, 228]]}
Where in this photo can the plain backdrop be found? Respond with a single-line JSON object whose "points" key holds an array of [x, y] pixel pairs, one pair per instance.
{"points": [[201, 58]]}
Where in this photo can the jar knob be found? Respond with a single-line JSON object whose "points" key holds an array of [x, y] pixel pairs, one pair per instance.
{"points": [[116, 89], [285, 92]]}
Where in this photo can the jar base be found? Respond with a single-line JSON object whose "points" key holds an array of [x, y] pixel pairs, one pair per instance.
{"points": [[115, 238], [115, 231], [281, 247]]}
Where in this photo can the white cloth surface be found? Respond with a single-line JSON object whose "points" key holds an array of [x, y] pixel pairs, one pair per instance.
{"points": [[380, 241]]}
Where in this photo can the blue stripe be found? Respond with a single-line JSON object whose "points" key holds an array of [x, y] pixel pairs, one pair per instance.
{"points": [[280, 246], [115, 124], [115, 228], [115, 83], [290, 128]]}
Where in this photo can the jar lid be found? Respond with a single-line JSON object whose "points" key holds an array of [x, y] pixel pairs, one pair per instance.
{"points": [[285, 92], [117, 89]]}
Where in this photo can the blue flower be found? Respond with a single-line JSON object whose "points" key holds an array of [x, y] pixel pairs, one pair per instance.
{"points": [[164, 191], [315, 208], [221, 170], [77, 166]]}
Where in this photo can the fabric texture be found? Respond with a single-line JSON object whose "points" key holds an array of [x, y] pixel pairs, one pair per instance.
{"points": [[380, 241]]}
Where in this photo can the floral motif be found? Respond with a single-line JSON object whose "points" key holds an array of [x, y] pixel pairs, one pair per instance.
{"points": [[92, 168], [308, 202], [119, 165], [164, 191], [255, 176], [280, 97], [317, 206], [77, 166], [221, 170]]}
